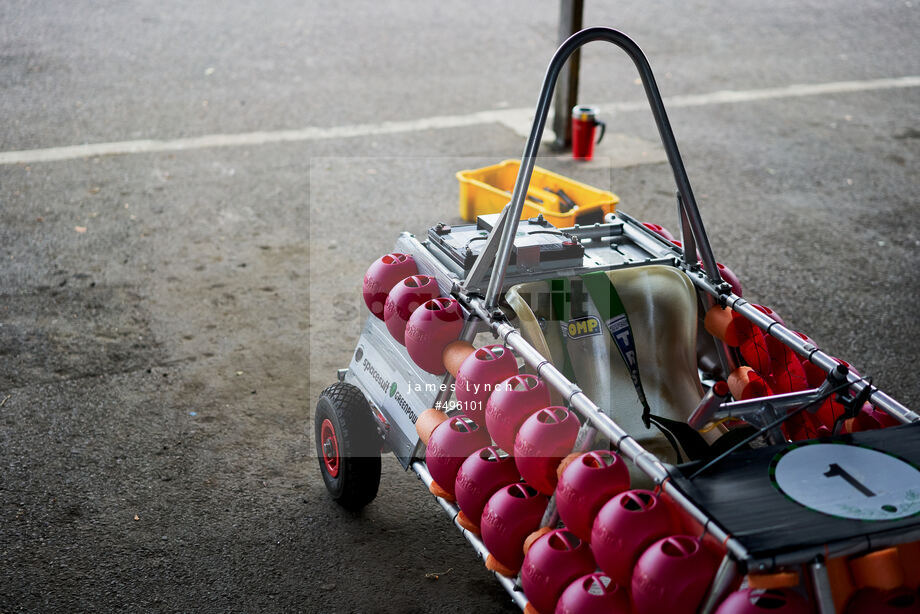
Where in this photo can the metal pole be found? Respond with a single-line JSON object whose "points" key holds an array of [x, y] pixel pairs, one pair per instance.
{"points": [[824, 598], [570, 20], [725, 580]]}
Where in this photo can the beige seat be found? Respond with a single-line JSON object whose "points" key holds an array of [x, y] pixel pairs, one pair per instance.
{"points": [[661, 304]]}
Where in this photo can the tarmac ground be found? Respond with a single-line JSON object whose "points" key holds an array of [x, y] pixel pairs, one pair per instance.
{"points": [[172, 304]]}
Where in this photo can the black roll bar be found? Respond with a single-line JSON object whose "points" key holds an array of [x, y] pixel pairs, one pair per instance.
{"points": [[505, 230]]}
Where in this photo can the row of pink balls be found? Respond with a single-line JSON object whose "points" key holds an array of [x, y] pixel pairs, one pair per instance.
{"points": [[411, 306], [629, 534], [486, 483]]}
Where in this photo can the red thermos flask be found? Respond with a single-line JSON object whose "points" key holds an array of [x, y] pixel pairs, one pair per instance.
{"points": [[584, 125]]}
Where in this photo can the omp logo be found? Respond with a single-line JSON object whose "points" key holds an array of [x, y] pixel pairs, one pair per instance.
{"points": [[582, 327]]}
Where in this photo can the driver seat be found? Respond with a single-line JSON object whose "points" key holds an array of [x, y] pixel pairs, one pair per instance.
{"points": [[661, 305]]}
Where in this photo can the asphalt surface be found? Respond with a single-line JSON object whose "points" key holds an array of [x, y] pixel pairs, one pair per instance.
{"points": [[168, 320]]}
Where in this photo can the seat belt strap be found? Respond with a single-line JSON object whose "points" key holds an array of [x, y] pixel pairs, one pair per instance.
{"points": [[613, 313]]}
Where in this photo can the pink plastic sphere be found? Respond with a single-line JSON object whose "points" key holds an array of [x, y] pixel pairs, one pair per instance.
{"points": [[753, 600], [728, 275], [876, 601], [450, 444], [382, 275], [672, 576], [544, 439], [509, 405], [585, 485], [659, 230], [552, 563], [481, 474], [594, 593], [431, 327], [478, 375], [510, 515], [769, 313], [624, 528], [404, 298]]}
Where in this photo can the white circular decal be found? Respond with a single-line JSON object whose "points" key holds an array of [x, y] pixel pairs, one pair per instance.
{"points": [[848, 481]]}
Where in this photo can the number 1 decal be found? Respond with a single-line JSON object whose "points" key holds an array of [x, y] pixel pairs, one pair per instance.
{"points": [[835, 470]]}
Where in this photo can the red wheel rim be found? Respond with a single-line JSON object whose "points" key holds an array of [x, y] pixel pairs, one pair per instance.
{"points": [[330, 447]]}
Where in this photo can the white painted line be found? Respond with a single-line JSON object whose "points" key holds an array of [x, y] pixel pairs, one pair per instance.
{"points": [[516, 119], [793, 91], [520, 120]]}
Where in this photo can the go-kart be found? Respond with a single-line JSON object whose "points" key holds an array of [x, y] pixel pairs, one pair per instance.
{"points": [[613, 427]]}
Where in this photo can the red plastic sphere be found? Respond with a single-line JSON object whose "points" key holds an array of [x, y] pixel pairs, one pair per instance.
{"points": [[875, 601], [754, 600], [755, 353], [672, 576], [728, 275], [805, 338], [594, 593], [382, 275], [624, 528], [509, 405], [551, 564], [544, 439], [404, 299], [788, 373], [481, 474], [449, 445], [478, 376], [659, 230], [431, 327], [510, 515], [746, 383], [813, 373], [769, 312], [868, 419], [585, 485]]}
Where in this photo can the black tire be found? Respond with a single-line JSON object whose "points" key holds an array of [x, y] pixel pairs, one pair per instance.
{"points": [[347, 446]]}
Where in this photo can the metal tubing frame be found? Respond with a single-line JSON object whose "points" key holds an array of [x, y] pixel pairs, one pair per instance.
{"points": [[780, 403], [624, 443], [653, 467], [723, 583], [824, 596], [517, 595], [506, 229], [512, 211], [824, 361], [499, 246]]}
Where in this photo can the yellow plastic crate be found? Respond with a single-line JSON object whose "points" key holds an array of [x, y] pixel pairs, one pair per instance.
{"points": [[487, 190]]}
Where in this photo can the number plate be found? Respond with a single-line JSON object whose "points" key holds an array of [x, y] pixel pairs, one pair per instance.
{"points": [[848, 481]]}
